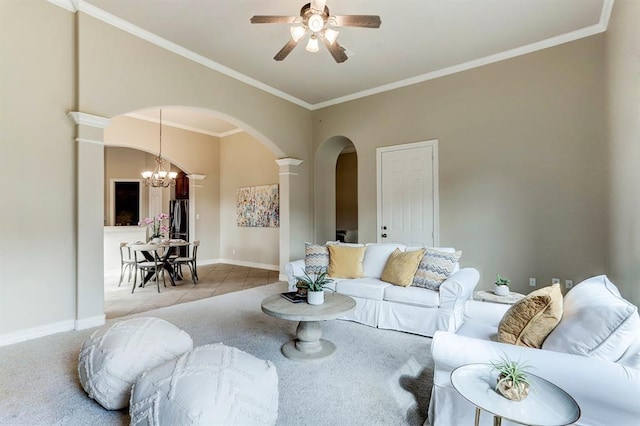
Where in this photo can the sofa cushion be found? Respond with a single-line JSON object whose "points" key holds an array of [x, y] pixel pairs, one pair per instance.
{"points": [[435, 267], [345, 261], [401, 267], [316, 258], [597, 322], [376, 256], [367, 288], [211, 385], [412, 296], [113, 357], [530, 320], [631, 357]]}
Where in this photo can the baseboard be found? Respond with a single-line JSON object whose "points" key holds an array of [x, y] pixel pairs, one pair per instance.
{"points": [[35, 332], [84, 323], [247, 264]]}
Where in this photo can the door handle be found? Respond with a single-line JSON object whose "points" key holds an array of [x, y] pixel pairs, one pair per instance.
{"points": [[384, 235]]}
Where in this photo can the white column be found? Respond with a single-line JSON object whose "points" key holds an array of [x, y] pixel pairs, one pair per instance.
{"points": [[90, 222], [286, 172], [193, 184]]}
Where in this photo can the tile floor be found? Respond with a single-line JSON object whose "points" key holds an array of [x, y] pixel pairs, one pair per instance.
{"points": [[214, 280]]}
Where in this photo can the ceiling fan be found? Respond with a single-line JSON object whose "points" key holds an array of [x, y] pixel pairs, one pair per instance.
{"points": [[316, 21]]}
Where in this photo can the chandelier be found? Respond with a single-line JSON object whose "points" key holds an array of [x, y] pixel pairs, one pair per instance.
{"points": [[159, 177]]}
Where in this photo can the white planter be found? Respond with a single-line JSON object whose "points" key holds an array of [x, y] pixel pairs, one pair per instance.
{"points": [[315, 297], [501, 290]]}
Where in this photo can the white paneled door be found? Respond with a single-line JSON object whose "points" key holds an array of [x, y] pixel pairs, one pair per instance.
{"points": [[408, 194]]}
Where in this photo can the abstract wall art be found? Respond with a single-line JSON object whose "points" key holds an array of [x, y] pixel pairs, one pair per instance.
{"points": [[258, 206]]}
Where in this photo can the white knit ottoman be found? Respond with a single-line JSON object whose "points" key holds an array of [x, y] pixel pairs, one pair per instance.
{"points": [[212, 385], [113, 357]]}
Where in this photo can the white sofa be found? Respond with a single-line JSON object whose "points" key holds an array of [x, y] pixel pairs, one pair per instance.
{"points": [[599, 365], [409, 309]]}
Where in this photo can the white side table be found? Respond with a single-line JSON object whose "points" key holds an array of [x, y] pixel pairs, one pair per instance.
{"points": [[546, 404], [489, 296]]}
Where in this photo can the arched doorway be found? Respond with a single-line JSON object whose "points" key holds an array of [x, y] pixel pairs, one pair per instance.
{"points": [[327, 199], [93, 135]]}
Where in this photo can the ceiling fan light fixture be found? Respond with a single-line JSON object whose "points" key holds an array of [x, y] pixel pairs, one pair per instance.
{"points": [[297, 32], [331, 35], [312, 45]]}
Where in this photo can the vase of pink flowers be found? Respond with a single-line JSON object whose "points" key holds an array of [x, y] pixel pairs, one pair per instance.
{"points": [[156, 227]]}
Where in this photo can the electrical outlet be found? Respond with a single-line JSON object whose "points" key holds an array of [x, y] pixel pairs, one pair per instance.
{"points": [[568, 284], [532, 282], [233, 251], [555, 280]]}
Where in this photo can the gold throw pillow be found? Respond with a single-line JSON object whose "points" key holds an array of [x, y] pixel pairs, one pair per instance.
{"points": [[530, 320], [345, 262], [401, 267]]}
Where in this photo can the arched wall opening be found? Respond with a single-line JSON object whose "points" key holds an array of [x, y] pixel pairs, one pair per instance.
{"points": [[224, 162], [325, 162]]}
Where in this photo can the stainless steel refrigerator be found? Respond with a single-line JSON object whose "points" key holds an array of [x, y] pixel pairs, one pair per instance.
{"points": [[179, 222]]}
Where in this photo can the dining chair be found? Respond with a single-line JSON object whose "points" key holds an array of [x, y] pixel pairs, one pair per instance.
{"points": [[127, 262], [190, 261], [153, 263]]}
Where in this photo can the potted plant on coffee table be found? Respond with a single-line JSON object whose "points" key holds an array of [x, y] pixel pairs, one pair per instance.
{"points": [[314, 284], [512, 381], [501, 287]]}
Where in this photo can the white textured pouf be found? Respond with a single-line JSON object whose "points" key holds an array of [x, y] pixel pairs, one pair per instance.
{"points": [[212, 385], [113, 357]]}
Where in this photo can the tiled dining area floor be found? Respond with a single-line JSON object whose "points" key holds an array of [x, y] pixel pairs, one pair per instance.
{"points": [[214, 280]]}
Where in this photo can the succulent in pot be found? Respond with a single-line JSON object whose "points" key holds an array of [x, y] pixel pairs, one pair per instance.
{"points": [[512, 380], [314, 286], [501, 287]]}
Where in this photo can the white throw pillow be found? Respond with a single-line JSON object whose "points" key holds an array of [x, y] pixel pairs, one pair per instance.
{"points": [[596, 322], [376, 256], [211, 385], [113, 357]]}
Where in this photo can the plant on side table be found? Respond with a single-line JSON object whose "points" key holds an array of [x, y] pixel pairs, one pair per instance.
{"points": [[501, 287], [512, 380], [315, 287]]}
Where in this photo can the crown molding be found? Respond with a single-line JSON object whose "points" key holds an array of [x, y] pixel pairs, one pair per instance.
{"points": [[182, 126], [70, 5], [598, 28], [83, 6], [89, 9]]}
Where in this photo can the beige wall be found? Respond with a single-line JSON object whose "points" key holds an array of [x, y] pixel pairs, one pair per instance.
{"points": [[623, 88], [522, 160], [195, 153], [37, 163], [245, 162], [54, 62], [124, 164]]}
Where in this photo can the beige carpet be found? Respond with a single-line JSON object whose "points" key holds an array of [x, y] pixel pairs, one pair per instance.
{"points": [[376, 377]]}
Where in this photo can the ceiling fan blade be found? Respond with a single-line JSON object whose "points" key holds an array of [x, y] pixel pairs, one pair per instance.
{"points": [[365, 21], [268, 19], [336, 51], [286, 49]]}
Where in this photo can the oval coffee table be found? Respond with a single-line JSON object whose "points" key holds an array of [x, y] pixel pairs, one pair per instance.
{"points": [[308, 344]]}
